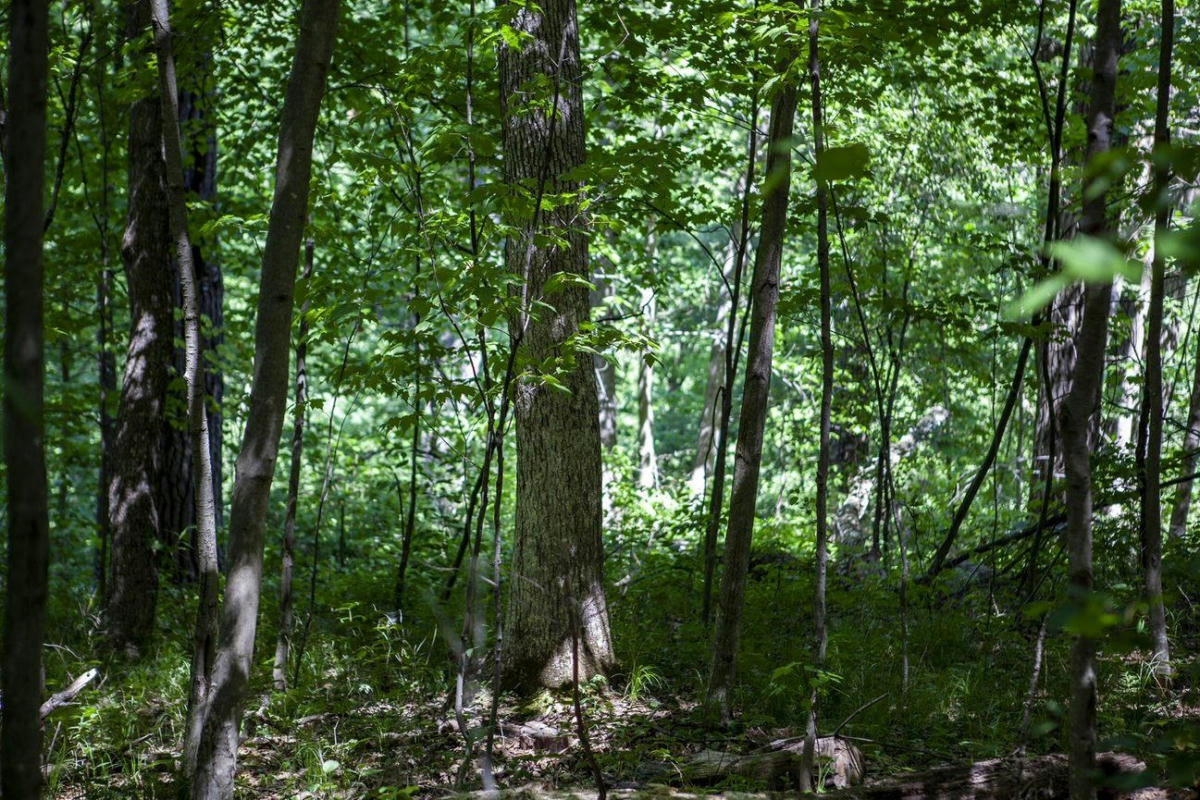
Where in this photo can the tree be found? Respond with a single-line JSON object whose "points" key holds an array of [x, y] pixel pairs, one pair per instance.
{"points": [[133, 492], [755, 392], [220, 713], [26, 587], [1150, 422], [557, 590], [1080, 406]]}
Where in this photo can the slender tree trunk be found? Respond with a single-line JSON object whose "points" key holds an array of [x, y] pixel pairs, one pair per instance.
{"points": [[107, 371], [221, 713], [647, 456], [1081, 403], [201, 471], [755, 395], [287, 597], [1191, 455], [558, 558], [709, 429], [178, 509], [133, 493], [733, 346], [24, 386], [606, 372], [1150, 423], [807, 772]]}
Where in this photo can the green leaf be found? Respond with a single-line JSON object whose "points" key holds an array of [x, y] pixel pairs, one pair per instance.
{"points": [[1093, 260], [841, 163]]}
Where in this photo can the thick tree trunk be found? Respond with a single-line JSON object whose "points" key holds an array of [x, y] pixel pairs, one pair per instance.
{"points": [[287, 597], [755, 395], [133, 493], [558, 558], [1150, 424], [821, 636], [221, 713], [178, 510], [201, 471], [1080, 406], [24, 387]]}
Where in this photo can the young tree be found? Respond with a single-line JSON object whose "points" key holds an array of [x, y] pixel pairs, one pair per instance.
{"points": [[808, 773], [1150, 423], [24, 384], [557, 590], [1081, 403], [220, 713], [761, 348], [133, 491]]}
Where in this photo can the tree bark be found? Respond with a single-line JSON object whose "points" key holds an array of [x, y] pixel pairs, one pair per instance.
{"points": [[1081, 403], [558, 557], [1150, 423], [647, 456], [134, 491], [755, 395], [287, 598], [821, 635], [24, 388], [178, 511], [708, 438], [221, 712], [201, 471], [1191, 455]]}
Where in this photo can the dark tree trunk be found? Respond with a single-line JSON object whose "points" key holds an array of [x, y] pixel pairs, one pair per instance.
{"points": [[133, 493], [1150, 423], [821, 636], [558, 559], [1081, 403], [216, 760], [24, 384], [178, 512], [757, 383], [287, 597]]}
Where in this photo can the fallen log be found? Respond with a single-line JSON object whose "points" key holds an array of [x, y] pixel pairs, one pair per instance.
{"points": [[59, 699], [778, 765], [1043, 777]]}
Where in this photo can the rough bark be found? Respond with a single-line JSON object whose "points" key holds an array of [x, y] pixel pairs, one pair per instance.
{"points": [[287, 597], [201, 471], [1150, 423], [558, 556], [755, 395], [821, 635], [24, 388], [178, 507], [133, 492], [1080, 406], [221, 713]]}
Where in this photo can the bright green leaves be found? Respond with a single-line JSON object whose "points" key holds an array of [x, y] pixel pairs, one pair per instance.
{"points": [[1083, 259], [842, 163]]}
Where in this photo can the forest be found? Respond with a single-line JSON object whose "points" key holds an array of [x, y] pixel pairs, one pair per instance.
{"points": [[549, 399]]}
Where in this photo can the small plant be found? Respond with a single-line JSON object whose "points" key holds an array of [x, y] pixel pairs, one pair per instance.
{"points": [[643, 680]]}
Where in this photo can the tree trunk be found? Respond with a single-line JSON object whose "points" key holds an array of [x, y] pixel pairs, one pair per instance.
{"points": [[708, 439], [558, 558], [1081, 403], [221, 713], [133, 493], [1191, 455], [24, 384], [821, 636], [1150, 423], [755, 395], [178, 511], [201, 471], [647, 456]]}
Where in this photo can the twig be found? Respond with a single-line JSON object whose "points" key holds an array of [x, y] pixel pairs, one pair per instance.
{"points": [[59, 699], [856, 712]]}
